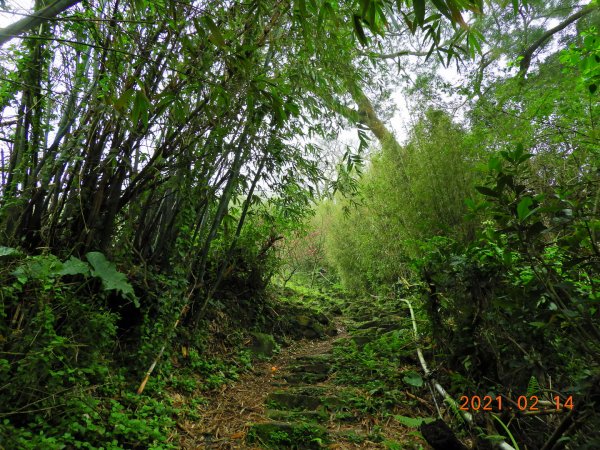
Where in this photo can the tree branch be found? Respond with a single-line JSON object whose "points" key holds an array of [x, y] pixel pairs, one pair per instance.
{"points": [[528, 53], [395, 54], [27, 23]]}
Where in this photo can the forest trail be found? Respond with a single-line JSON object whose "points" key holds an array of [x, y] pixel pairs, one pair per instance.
{"points": [[295, 401]]}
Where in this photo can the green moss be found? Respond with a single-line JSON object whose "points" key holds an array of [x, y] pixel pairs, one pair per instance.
{"points": [[282, 435]]}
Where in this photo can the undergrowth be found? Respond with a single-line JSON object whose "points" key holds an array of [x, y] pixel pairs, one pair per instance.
{"points": [[69, 369]]}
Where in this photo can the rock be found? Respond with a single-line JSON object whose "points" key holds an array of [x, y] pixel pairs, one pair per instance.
{"points": [[316, 330], [440, 436], [321, 357], [323, 319], [336, 310], [295, 416], [307, 398], [291, 401], [311, 327], [305, 378], [383, 324], [262, 344], [302, 320], [320, 367], [362, 340]]}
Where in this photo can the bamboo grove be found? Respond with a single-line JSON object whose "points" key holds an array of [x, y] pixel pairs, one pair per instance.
{"points": [[154, 154]]}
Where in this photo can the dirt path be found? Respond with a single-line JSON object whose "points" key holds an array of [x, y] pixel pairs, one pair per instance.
{"points": [[292, 395], [227, 416]]}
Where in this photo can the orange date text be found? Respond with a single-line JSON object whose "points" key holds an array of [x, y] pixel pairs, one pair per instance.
{"points": [[523, 403]]}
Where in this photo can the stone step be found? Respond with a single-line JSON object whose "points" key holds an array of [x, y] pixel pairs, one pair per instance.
{"points": [[308, 378], [306, 398], [283, 435], [297, 416], [289, 401], [322, 367]]}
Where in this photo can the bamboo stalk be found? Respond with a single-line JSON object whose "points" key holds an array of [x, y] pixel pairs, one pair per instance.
{"points": [[160, 353], [438, 387]]}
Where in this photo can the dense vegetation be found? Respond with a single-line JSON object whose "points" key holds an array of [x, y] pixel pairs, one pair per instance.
{"points": [[168, 168]]}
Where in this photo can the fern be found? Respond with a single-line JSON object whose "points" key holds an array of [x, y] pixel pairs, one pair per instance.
{"points": [[533, 387], [413, 422]]}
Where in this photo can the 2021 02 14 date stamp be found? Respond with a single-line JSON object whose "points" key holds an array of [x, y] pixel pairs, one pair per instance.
{"points": [[522, 403]]}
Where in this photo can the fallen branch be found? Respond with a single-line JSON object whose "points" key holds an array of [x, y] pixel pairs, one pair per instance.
{"points": [[438, 387]]}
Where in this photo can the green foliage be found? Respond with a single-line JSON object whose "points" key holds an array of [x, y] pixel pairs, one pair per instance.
{"points": [[112, 280], [410, 193], [413, 422], [374, 367], [586, 58], [51, 338], [295, 436]]}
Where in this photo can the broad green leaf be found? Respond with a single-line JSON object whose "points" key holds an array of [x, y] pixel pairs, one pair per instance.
{"points": [[198, 27], [364, 7], [9, 251], [495, 164], [524, 157], [523, 208], [112, 279], [413, 379], [75, 266], [302, 9], [140, 5], [39, 268], [443, 8]]}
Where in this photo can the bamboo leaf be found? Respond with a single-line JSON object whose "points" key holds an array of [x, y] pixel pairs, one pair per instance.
{"points": [[360, 32], [419, 7], [215, 34], [443, 8], [140, 110]]}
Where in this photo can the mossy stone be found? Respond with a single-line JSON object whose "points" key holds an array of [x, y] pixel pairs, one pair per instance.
{"points": [[293, 401], [305, 378], [296, 416], [302, 320], [322, 367], [262, 344], [283, 435]]}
